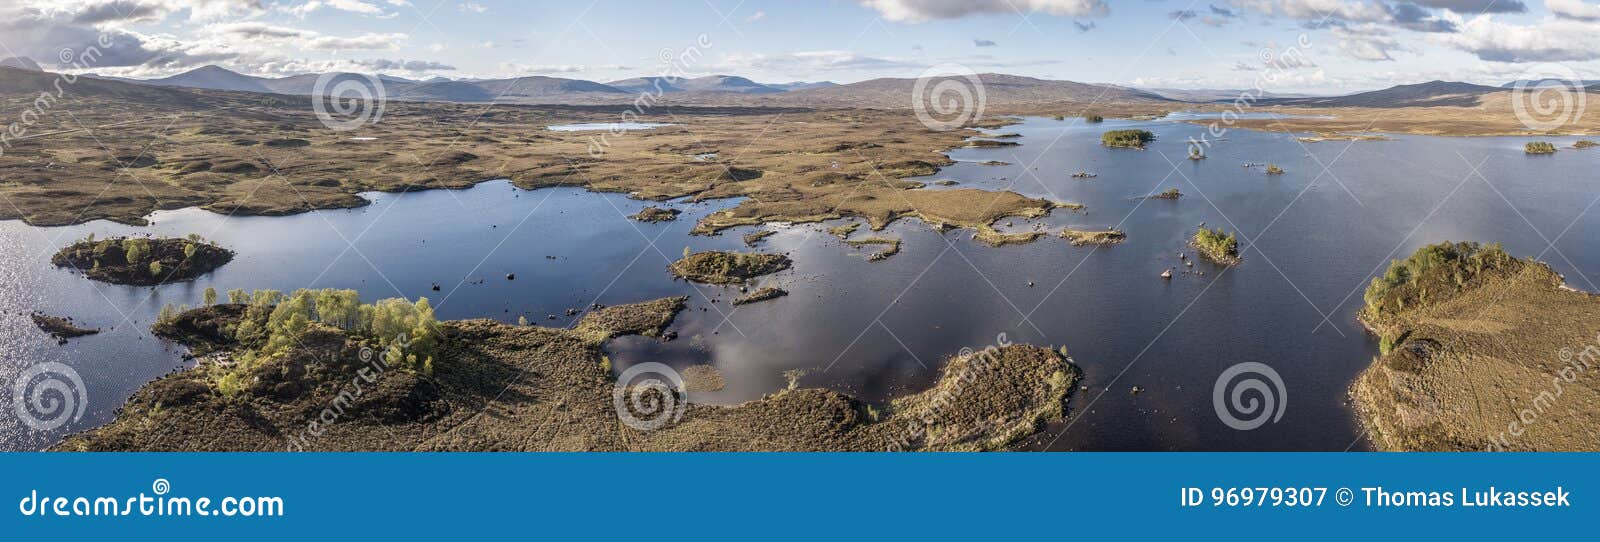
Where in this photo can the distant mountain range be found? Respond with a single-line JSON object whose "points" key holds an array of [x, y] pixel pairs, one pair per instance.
{"points": [[1219, 94], [728, 90], [1429, 94]]}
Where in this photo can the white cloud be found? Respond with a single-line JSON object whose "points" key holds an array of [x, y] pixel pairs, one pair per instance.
{"points": [[473, 7], [803, 62], [1367, 42], [306, 39], [1547, 40], [1573, 9], [916, 11], [352, 6]]}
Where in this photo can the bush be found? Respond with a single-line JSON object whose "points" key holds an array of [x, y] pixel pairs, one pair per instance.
{"points": [[1539, 147], [1093, 119], [1127, 138], [1434, 273], [407, 333]]}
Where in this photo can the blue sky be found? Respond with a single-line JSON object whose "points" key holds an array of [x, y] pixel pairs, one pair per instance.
{"points": [[1335, 45]]}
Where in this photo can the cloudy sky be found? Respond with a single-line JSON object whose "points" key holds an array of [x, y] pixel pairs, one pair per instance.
{"points": [[1334, 45]]}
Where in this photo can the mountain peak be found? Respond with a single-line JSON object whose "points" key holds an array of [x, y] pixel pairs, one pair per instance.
{"points": [[21, 63]]}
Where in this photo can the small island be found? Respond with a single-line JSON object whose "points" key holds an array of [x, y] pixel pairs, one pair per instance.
{"points": [[760, 295], [656, 214], [138, 261], [718, 267], [60, 328], [1218, 245], [890, 247], [1584, 144], [1092, 119], [1539, 147], [1080, 238], [1170, 193], [1273, 169], [1132, 139]]}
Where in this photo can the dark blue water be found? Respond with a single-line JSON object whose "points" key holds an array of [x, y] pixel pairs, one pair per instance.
{"points": [[1312, 239]]}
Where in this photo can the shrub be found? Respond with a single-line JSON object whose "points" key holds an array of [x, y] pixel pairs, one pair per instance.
{"points": [[1273, 169], [1539, 147], [1093, 119], [1433, 273]]}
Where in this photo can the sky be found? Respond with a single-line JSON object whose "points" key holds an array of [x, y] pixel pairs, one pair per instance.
{"points": [[1315, 46]]}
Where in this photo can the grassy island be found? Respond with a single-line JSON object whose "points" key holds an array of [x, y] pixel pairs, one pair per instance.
{"points": [[1539, 147], [718, 267], [1135, 139], [1479, 350], [760, 295], [1170, 193], [488, 379], [1584, 144], [1080, 238], [138, 261], [1218, 245], [61, 328], [1273, 169], [656, 214]]}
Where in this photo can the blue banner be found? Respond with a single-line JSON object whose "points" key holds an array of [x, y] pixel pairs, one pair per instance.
{"points": [[760, 496]]}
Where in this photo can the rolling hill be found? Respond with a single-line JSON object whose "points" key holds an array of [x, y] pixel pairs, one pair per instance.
{"points": [[1429, 94]]}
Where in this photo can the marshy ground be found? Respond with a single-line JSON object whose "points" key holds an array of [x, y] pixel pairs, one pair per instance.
{"points": [[501, 387]]}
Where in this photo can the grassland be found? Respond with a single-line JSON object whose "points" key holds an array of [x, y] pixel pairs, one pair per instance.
{"points": [[127, 150], [1480, 351]]}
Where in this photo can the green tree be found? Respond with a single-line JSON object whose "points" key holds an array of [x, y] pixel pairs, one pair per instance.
{"points": [[134, 250], [210, 296]]}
